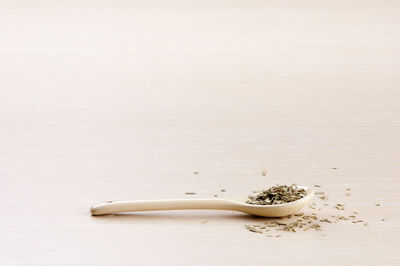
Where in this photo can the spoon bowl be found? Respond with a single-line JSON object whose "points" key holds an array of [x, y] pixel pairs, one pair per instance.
{"points": [[233, 204]]}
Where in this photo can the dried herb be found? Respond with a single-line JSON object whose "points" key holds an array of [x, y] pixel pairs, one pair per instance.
{"points": [[340, 217], [190, 193], [271, 225], [316, 227], [291, 227], [306, 217], [251, 228], [264, 173], [324, 197], [277, 195], [294, 223], [339, 206]]}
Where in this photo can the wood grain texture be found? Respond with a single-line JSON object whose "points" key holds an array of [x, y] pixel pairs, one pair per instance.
{"points": [[125, 100]]}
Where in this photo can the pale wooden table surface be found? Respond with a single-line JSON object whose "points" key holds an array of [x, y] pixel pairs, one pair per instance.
{"points": [[103, 101]]}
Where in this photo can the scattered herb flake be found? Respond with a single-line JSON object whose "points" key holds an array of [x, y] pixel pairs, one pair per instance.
{"points": [[264, 173], [324, 197], [339, 206]]}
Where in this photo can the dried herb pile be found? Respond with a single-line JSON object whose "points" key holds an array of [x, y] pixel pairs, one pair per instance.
{"points": [[299, 221], [320, 213], [277, 195]]}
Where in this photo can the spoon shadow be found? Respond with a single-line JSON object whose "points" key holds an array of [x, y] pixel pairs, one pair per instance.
{"points": [[180, 216]]}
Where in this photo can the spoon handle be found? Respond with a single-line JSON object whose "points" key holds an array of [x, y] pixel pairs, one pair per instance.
{"points": [[157, 205]]}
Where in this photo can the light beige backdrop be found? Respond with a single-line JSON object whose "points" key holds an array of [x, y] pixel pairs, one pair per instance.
{"points": [[105, 100]]}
